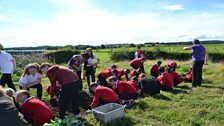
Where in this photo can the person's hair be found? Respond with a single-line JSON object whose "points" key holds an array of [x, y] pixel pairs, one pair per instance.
{"points": [[141, 76], [115, 72], [91, 55], [10, 92], [43, 65], [2, 91], [112, 78], [29, 66], [168, 69], [196, 41], [159, 62], [22, 92], [114, 67], [94, 84], [127, 71]]}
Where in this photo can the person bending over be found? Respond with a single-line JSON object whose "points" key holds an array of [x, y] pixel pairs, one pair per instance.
{"points": [[102, 95], [123, 72], [136, 63], [106, 74], [124, 90], [70, 83], [35, 111]]}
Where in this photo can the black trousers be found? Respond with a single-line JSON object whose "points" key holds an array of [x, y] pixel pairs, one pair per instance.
{"points": [[90, 72], [69, 94], [197, 73], [128, 96], [154, 74], [7, 79], [39, 88], [79, 73], [142, 68]]}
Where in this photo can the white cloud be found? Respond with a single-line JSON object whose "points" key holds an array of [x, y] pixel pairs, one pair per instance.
{"points": [[84, 23], [5, 18], [209, 15], [173, 7]]}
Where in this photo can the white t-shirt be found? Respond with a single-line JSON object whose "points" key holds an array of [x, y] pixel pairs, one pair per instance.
{"points": [[92, 60], [29, 79], [6, 62]]}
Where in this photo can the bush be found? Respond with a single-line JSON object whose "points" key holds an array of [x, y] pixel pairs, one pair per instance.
{"points": [[1, 47], [158, 53], [62, 55]]}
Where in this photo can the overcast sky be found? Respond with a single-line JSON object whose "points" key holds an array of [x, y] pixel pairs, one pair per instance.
{"points": [[73, 22]]}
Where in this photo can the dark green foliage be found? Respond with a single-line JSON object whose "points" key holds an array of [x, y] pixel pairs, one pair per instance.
{"points": [[62, 55], [160, 54], [1, 47]]}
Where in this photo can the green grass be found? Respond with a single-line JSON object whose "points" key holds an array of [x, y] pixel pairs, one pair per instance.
{"points": [[182, 107]]}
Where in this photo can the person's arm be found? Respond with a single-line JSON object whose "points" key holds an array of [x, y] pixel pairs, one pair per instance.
{"points": [[136, 54], [95, 101], [126, 76], [38, 81], [187, 48], [53, 85], [14, 64], [206, 57]]}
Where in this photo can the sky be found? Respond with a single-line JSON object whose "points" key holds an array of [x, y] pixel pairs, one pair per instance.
{"points": [[95, 22]]}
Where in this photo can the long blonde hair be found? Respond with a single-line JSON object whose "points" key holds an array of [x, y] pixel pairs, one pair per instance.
{"points": [[29, 66]]}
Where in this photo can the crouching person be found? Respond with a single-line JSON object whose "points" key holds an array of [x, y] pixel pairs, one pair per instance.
{"points": [[124, 90], [70, 87], [35, 111], [9, 115], [102, 95]]}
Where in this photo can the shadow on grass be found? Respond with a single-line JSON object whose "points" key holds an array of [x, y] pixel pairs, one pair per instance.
{"points": [[161, 96], [207, 81], [184, 87], [207, 86], [125, 121], [178, 91]]}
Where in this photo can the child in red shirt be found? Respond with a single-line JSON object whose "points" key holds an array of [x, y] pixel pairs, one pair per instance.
{"points": [[155, 69], [34, 110], [137, 62], [166, 80], [122, 72], [124, 90], [102, 95], [134, 83], [172, 64], [106, 74], [136, 72]]}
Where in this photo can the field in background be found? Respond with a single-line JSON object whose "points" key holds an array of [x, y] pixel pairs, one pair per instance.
{"points": [[183, 106]]}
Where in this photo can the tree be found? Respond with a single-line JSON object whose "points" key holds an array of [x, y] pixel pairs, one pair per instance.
{"points": [[132, 45], [1, 47], [102, 46]]}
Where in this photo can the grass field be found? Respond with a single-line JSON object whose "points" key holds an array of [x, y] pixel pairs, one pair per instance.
{"points": [[183, 106]]}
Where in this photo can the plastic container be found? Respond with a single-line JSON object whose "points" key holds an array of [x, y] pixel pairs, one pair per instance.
{"points": [[108, 112]]}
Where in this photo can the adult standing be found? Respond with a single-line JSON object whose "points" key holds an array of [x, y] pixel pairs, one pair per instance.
{"points": [[8, 66], [199, 57], [90, 66], [140, 54]]}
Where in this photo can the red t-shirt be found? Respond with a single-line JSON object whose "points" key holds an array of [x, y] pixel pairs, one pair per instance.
{"points": [[136, 62], [122, 73], [106, 73], [48, 89], [140, 53], [134, 73], [134, 84], [172, 64], [125, 88], [155, 68], [166, 79], [189, 75], [39, 111], [176, 76], [105, 94], [61, 74]]}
